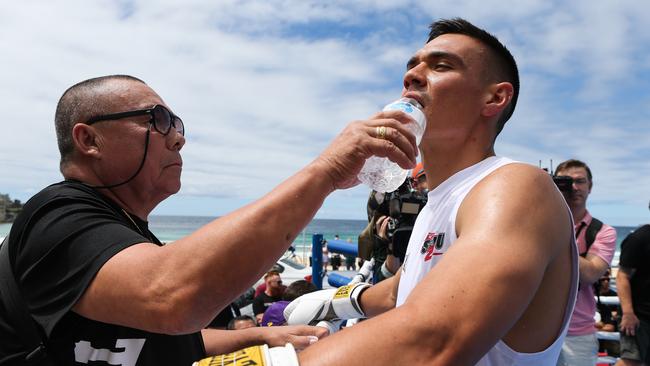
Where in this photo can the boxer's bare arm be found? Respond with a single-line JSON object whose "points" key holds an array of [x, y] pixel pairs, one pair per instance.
{"points": [[514, 232]]}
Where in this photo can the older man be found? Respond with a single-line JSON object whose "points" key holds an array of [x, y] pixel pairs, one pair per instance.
{"points": [[95, 279]]}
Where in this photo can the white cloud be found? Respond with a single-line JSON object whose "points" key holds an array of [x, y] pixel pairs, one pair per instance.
{"points": [[263, 86]]}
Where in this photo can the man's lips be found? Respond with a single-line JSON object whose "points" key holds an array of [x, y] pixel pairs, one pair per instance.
{"points": [[416, 97], [577, 196], [176, 163]]}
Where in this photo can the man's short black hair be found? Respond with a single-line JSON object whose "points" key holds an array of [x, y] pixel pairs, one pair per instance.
{"points": [[297, 289], [504, 65], [77, 104], [231, 323]]}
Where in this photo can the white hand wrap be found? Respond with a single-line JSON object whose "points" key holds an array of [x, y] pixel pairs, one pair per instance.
{"points": [[256, 355], [331, 326], [332, 304]]}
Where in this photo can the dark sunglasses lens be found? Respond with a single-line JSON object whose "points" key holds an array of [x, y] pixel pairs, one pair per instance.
{"points": [[178, 124], [162, 119]]}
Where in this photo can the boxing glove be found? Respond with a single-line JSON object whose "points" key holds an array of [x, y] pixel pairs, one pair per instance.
{"points": [[256, 355], [331, 304]]}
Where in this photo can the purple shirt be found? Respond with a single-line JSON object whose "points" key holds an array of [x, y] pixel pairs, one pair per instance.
{"points": [[582, 319]]}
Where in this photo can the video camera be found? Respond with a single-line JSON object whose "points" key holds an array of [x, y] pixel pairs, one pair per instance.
{"points": [[402, 206], [564, 183]]}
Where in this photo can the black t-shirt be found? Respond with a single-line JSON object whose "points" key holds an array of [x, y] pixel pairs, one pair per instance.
{"points": [[262, 302], [58, 243], [635, 253]]}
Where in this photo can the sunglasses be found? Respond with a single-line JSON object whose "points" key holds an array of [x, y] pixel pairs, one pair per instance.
{"points": [[162, 119]]}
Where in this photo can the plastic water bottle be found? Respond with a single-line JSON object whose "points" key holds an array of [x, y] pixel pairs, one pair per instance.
{"points": [[381, 174]]}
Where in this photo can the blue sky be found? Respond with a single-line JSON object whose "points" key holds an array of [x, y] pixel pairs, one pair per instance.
{"points": [[263, 86]]}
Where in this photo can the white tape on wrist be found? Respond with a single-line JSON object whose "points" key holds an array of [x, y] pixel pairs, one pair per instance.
{"points": [[345, 302], [282, 356], [385, 271], [331, 326]]}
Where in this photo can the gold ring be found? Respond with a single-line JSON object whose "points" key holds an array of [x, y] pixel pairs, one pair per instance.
{"points": [[381, 132]]}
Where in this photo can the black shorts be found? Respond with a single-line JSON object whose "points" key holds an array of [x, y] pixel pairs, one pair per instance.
{"points": [[638, 347]]}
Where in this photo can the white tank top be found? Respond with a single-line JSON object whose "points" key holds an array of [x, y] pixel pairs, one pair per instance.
{"points": [[435, 231]]}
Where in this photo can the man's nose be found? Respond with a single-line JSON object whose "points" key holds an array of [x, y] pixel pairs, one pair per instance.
{"points": [[414, 77], [175, 140]]}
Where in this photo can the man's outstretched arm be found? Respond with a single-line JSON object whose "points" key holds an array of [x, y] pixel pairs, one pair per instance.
{"points": [[513, 227], [178, 288]]}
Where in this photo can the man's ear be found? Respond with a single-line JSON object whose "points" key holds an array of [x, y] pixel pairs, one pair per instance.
{"points": [[85, 139], [497, 98]]}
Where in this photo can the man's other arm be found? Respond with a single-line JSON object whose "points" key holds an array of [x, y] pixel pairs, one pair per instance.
{"points": [[511, 227], [380, 297], [218, 341]]}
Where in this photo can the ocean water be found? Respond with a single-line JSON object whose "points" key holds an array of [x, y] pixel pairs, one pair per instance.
{"points": [[170, 228], [4, 229]]}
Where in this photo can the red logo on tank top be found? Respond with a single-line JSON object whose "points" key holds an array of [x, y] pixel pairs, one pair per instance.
{"points": [[432, 245]]}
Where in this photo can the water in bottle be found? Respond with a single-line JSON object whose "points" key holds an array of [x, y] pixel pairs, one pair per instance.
{"points": [[381, 174]]}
